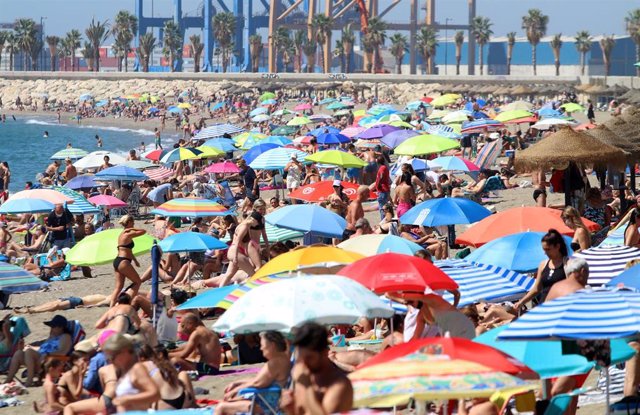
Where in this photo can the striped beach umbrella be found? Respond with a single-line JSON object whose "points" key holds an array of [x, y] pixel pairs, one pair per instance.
{"points": [[241, 139], [586, 314], [121, 173], [69, 153], [484, 282], [275, 234], [256, 150], [159, 173], [607, 262], [446, 131], [80, 205], [276, 158], [217, 130], [193, 207], [480, 126], [138, 164], [14, 279], [249, 285], [208, 152], [488, 154], [180, 153], [224, 144]]}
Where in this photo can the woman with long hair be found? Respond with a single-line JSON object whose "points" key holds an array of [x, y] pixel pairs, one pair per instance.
{"points": [[123, 264], [631, 235], [581, 236]]}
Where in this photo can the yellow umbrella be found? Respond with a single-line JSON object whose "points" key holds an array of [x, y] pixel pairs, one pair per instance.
{"points": [[321, 258], [401, 124], [242, 138], [445, 100], [512, 115], [359, 113], [437, 114], [336, 158], [184, 105], [208, 152], [299, 121]]}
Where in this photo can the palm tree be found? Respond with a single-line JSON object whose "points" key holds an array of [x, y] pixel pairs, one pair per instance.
{"points": [[376, 35], [278, 40], [632, 21], [427, 42], [146, 45], [63, 53], [255, 50], [224, 28], [348, 38], [459, 40], [299, 38], [196, 46], [338, 52], [3, 39], [34, 52], [124, 28], [97, 33], [606, 45], [322, 24], [11, 46], [309, 48], [53, 42], [583, 46], [26, 36], [399, 46], [511, 41], [89, 55], [172, 44], [73, 38], [288, 52], [556, 44], [481, 29], [535, 26]]}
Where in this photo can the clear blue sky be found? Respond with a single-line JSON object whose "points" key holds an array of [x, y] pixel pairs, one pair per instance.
{"points": [[566, 16]]}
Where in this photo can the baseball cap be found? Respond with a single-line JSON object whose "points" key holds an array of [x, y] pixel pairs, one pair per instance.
{"points": [[337, 183], [57, 321]]}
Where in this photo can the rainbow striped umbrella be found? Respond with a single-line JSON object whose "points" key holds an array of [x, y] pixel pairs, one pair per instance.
{"points": [[193, 207], [180, 153]]}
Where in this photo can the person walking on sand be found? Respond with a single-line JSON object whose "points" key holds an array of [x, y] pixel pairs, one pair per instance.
{"points": [[123, 263], [158, 142]]}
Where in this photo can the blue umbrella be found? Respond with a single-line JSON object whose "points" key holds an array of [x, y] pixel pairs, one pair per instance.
{"points": [[419, 165], [607, 262], [546, 357], [415, 105], [14, 279], [549, 113], [327, 101], [258, 111], [629, 278], [217, 106], [276, 158], [218, 130], [224, 144], [258, 149], [209, 298], [445, 211], [332, 138], [321, 130], [519, 252], [395, 138], [153, 110], [121, 173], [80, 205], [174, 110], [102, 103], [269, 102], [15, 206], [86, 97], [308, 218], [277, 139], [469, 105], [84, 181], [190, 242]]}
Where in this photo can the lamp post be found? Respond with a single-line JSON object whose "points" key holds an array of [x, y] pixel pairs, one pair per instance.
{"points": [[446, 44]]}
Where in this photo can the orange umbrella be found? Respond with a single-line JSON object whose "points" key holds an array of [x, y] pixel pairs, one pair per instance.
{"points": [[320, 191], [51, 196], [516, 220]]}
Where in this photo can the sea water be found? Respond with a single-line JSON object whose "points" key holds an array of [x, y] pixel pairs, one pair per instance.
{"points": [[28, 152]]}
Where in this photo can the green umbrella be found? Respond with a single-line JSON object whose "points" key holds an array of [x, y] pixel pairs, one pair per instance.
{"points": [[512, 115], [338, 106], [285, 130], [102, 248], [297, 121], [572, 107], [425, 144], [69, 153], [266, 96], [138, 164], [336, 158], [636, 64]]}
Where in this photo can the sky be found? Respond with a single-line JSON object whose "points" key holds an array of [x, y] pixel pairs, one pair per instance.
{"points": [[565, 16]]}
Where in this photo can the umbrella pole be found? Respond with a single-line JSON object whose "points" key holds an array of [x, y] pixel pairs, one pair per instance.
{"points": [[608, 397]]}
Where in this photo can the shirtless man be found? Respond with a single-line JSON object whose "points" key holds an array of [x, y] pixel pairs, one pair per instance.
{"points": [[70, 170], [203, 345], [320, 386], [356, 211], [52, 169]]}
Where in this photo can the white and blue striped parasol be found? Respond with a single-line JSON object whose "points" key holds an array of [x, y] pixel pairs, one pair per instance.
{"points": [[276, 158], [607, 262], [484, 282], [585, 314], [275, 234], [80, 205], [217, 130]]}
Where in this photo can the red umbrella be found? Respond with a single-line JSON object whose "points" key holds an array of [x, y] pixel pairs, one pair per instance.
{"points": [[398, 272], [523, 120], [516, 220], [320, 191], [456, 348], [426, 99], [107, 200], [155, 154], [223, 167]]}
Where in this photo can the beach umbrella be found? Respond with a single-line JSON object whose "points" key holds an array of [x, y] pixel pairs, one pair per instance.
{"points": [[241, 139], [446, 131], [390, 272], [179, 154], [223, 167], [517, 105], [102, 248], [484, 283], [395, 138], [251, 142], [570, 107], [516, 220], [223, 144], [50, 195], [274, 234], [425, 144], [283, 112], [209, 152], [258, 149], [320, 117], [326, 101], [480, 126], [258, 111], [320, 191], [155, 154], [512, 115], [266, 102], [308, 218], [208, 299], [84, 181], [548, 113], [453, 163], [443, 101], [85, 97], [107, 201], [351, 132], [245, 287], [553, 122], [190, 242], [324, 130], [80, 205], [456, 117], [69, 153], [336, 158], [377, 131], [607, 262], [15, 206], [278, 140], [629, 278], [102, 103], [298, 121], [546, 357], [138, 164], [518, 252], [373, 244], [184, 105], [586, 314], [323, 299], [14, 279], [334, 106], [415, 105], [267, 95], [445, 211], [174, 110], [217, 130], [332, 138], [260, 118], [192, 207], [159, 173], [285, 130], [121, 173], [303, 107], [425, 376], [276, 158]]}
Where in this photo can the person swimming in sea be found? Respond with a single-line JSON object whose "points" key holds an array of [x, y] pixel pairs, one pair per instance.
{"points": [[46, 134]]}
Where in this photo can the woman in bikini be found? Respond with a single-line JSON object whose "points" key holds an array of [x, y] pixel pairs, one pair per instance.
{"points": [[256, 230], [70, 384], [122, 265], [121, 318]]}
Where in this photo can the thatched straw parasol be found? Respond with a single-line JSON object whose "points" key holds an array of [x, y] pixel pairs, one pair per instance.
{"points": [[565, 146], [583, 87], [622, 128], [617, 90], [522, 90], [605, 135], [597, 90]]}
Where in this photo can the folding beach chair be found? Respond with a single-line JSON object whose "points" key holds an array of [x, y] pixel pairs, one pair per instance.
{"points": [[559, 404], [267, 399], [227, 197]]}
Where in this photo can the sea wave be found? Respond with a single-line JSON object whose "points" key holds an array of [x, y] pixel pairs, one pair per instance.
{"points": [[118, 129], [40, 122]]}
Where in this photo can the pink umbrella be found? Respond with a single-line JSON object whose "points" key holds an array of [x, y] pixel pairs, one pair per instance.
{"points": [[223, 167], [159, 173], [107, 200], [302, 107], [50, 195], [352, 131]]}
